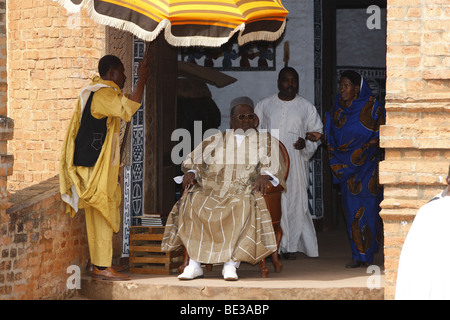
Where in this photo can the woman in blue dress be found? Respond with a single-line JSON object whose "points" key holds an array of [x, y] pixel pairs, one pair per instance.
{"points": [[352, 136]]}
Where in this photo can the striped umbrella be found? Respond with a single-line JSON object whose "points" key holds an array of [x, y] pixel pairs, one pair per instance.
{"points": [[208, 23]]}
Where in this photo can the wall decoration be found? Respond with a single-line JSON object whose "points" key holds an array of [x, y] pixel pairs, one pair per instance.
{"points": [[254, 56], [134, 174]]}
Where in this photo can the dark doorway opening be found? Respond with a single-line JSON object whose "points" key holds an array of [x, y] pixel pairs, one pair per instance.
{"points": [[349, 41]]}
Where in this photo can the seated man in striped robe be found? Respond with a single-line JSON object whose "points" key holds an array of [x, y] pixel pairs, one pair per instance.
{"points": [[222, 216]]}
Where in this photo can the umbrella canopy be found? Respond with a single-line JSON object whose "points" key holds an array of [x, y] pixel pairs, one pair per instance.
{"points": [[209, 23]]}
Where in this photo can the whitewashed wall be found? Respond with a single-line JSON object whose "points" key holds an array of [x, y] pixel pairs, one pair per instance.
{"points": [[260, 84]]}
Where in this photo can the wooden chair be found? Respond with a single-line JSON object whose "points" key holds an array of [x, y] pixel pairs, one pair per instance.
{"points": [[273, 203]]}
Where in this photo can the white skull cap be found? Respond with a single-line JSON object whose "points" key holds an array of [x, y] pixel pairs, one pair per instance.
{"points": [[241, 100]]}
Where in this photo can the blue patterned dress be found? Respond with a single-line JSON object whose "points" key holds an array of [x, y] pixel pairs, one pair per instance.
{"points": [[354, 167]]}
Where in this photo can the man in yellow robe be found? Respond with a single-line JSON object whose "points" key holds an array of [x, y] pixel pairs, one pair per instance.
{"points": [[90, 158], [223, 217]]}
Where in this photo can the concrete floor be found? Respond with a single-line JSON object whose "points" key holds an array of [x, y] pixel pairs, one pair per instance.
{"points": [[323, 278]]}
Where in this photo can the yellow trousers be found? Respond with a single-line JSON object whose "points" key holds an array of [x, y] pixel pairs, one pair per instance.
{"points": [[100, 236], [99, 232]]}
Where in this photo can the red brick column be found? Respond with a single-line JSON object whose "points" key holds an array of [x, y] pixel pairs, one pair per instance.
{"points": [[416, 136]]}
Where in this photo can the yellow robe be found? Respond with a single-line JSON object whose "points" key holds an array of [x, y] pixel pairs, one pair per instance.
{"points": [[98, 188]]}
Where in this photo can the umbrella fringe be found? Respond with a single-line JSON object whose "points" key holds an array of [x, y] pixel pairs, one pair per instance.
{"points": [[261, 35], [125, 25], [199, 40], [111, 21]]}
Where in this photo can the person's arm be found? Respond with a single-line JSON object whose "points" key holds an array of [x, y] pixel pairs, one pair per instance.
{"points": [[272, 165], [142, 72], [313, 129], [107, 102]]}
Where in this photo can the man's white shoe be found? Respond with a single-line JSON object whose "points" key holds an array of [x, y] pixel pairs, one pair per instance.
{"points": [[191, 272], [229, 273]]}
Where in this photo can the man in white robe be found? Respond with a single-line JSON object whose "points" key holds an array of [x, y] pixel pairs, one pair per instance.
{"points": [[299, 129], [423, 269]]}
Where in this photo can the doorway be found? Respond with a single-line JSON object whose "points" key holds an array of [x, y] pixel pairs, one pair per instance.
{"points": [[353, 37]]}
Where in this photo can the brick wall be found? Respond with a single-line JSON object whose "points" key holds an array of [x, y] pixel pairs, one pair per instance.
{"points": [[3, 74], [6, 124], [38, 243], [51, 56], [416, 136]]}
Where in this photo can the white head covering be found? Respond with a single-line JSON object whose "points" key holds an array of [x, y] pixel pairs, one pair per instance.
{"points": [[241, 100]]}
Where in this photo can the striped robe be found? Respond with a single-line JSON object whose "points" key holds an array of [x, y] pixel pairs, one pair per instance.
{"points": [[220, 218]]}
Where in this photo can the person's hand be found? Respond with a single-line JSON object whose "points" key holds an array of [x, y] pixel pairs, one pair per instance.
{"points": [[300, 144], [143, 68], [313, 136], [189, 179], [260, 184]]}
